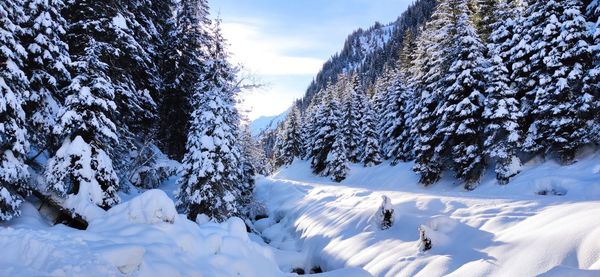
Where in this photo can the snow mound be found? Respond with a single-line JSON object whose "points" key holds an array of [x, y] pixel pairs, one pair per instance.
{"points": [[151, 207], [141, 237]]}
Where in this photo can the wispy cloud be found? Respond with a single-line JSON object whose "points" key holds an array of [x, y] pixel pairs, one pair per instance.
{"points": [[266, 54]]}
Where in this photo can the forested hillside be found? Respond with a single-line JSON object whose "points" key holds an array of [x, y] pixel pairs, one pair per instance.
{"points": [[480, 84], [92, 93]]}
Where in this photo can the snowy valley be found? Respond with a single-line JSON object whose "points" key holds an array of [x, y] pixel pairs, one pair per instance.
{"points": [[460, 139]]}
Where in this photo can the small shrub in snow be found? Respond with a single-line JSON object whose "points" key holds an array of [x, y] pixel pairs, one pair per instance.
{"points": [[386, 213], [424, 241]]}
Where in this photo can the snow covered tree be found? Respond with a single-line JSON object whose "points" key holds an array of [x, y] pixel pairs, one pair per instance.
{"points": [[48, 58], [432, 60], [503, 135], [290, 141], [249, 165], [396, 122], [326, 125], [370, 139], [484, 17], [213, 175], [461, 110], [183, 66], [381, 87], [355, 99], [592, 82], [13, 89], [338, 161], [559, 103], [406, 55], [81, 167]]}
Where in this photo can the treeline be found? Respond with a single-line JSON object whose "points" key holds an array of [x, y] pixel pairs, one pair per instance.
{"points": [[482, 83], [93, 92]]}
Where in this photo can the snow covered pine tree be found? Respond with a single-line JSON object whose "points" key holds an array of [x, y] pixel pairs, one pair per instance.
{"points": [[213, 175], [13, 90], [48, 58], [81, 169]]}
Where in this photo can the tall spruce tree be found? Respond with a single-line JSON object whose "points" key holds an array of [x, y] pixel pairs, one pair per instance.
{"points": [[593, 79], [13, 90], [183, 66], [559, 105], [48, 59], [503, 135], [290, 141], [432, 60], [338, 161], [324, 131], [395, 128], [354, 98], [461, 109], [214, 180], [81, 167], [372, 153]]}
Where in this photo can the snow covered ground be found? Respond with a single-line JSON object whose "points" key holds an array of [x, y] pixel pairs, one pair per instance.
{"points": [[545, 222], [141, 237], [144, 236]]}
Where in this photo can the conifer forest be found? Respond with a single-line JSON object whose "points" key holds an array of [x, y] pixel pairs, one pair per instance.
{"points": [[462, 138]]}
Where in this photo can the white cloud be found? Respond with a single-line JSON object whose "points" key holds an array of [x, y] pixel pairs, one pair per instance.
{"points": [[266, 55], [270, 100]]}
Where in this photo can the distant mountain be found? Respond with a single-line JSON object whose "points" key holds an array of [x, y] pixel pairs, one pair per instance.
{"points": [[265, 123], [369, 51]]}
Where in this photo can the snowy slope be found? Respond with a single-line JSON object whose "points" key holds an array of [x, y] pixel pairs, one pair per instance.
{"points": [[264, 123], [493, 231]]}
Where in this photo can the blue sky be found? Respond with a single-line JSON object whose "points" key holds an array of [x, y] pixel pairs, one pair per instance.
{"points": [[283, 43]]}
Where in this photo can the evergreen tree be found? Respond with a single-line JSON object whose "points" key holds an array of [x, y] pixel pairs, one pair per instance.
{"points": [[372, 152], [524, 64], [13, 89], [82, 165], [48, 58], [379, 97], [485, 17], [461, 110], [183, 66], [559, 100], [353, 112], [395, 128], [249, 165], [432, 60], [214, 181], [592, 82], [502, 108], [407, 51], [338, 164], [324, 131], [290, 145]]}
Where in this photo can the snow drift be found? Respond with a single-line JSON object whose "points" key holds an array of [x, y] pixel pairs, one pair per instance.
{"points": [[520, 229]]}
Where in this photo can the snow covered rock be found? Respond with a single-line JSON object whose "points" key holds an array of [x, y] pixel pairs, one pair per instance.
{"points": [[126, 258], [151, 207]]}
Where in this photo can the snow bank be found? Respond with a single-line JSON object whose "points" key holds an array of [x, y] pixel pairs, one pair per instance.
{"points": [[511, 230], [141, 237], [153, 206]]}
